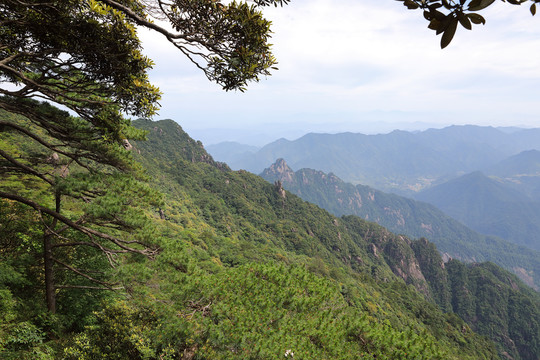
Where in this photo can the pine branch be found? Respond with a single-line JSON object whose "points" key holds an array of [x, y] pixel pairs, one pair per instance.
{"points": [[52, 147], [88, 287], [147, 251], [25, 169], [76, 271]]}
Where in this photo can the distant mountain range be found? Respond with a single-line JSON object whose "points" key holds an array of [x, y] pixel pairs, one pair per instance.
{"points": [[487, 178], [520, 172], [488, 206], [406, 216], [400, 162]]}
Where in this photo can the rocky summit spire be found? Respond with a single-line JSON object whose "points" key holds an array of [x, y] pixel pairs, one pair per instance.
{"points": [[279, 171]]}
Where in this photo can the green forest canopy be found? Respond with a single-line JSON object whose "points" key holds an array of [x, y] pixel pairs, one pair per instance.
{"points": [[92, 204]]}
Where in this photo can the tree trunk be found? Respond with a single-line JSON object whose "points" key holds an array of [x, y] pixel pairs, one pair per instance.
{"points": [[49, 272], [50, 289]]}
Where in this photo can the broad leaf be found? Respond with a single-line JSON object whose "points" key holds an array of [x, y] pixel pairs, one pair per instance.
{"points": [[464, 21], [476, 5], [448, 34], [476, 19], [411, 5]]}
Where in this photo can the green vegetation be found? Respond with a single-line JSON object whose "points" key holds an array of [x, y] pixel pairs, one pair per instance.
{"points": [[413, 218], [492, 301], [495, 304], [87, 196], [102, 258], [243, 272], [74, 169]]}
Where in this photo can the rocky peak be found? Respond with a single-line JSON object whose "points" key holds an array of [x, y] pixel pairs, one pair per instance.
{"points": [[279, 171]]}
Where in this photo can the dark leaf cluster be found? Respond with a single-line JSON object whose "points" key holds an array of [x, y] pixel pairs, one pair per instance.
{"points": [[444, 16]]}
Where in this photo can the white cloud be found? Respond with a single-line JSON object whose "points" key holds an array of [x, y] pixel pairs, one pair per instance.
{"points": [[357, 57]]}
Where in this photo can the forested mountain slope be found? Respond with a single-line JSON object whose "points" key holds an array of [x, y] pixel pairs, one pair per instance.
{"points": [[406, 216], [261, 216], [247, 270]]}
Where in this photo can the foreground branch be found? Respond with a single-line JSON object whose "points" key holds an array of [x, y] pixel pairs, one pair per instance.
{"points": [[76, 271], [89, 287], [147, 251]]}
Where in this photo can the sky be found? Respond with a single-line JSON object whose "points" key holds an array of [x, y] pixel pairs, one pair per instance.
{"points": [[367, 66]]}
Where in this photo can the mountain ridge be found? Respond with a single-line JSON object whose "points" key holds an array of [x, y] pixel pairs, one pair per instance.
{"points": [[400, 161], [244, 269], [521, 172], [404, 216]]}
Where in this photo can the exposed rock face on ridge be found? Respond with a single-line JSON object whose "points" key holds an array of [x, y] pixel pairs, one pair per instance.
{"points": [[281, 171], [245, 213]]}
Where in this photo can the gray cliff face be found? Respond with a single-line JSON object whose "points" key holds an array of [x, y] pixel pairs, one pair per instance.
{"points": [[280, 171]]}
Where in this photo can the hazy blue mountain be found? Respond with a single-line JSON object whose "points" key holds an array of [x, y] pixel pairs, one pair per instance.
{"points": [[488, 206], [521, 172], [228, 151], [400, 161], [509, 129], [405, 216], [525, 163]]}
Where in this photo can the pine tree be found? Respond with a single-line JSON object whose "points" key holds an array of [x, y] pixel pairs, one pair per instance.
{"points": [[73, 168]]}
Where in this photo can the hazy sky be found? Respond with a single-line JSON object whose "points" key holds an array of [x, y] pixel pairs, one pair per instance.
{"points": [[363, 66]]}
